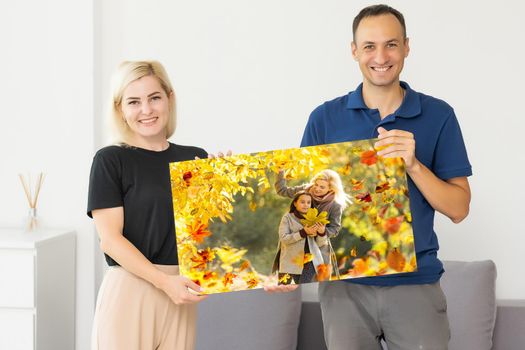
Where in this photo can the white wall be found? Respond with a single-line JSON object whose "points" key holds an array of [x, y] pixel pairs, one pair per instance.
{"points": [[46, 95], [247, 74]]}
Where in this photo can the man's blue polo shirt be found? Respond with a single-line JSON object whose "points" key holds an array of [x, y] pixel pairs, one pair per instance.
{"points": [[439, 146]]}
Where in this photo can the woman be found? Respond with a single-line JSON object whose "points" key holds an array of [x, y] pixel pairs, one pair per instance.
{"points": [[328, 195], [143, 303]]}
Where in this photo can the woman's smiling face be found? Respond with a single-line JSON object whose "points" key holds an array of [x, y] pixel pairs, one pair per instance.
{"points": [[145, 108], [320, 188]]}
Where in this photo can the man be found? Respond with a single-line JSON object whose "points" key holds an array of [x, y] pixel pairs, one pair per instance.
{"points": [[407, 310]]}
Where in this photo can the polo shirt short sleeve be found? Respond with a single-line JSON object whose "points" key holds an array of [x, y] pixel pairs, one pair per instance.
{"points": [[439, 146]]}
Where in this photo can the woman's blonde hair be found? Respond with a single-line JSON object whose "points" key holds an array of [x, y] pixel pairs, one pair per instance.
{"points": [[127, 72], [335, 184]]}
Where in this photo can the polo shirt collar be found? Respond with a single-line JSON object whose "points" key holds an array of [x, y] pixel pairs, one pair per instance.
{"points": [[410, 107]]}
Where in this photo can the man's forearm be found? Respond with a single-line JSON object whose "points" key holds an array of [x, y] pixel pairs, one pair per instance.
{"points": [[451, 197]]}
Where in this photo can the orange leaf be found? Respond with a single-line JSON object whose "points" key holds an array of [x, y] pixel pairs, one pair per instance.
{"points": [[323, 272], [392, 225], [228, 279], [396, 260], [369, 157], [357, 185], [198, 231], [353, 252], [202, 258], [252, 282], [308, 257], [209, 275], [360, 267], [245, 264]]}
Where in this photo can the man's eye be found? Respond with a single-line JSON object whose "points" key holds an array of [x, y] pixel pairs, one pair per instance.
{"points": [[368, 47], [392, 45]]}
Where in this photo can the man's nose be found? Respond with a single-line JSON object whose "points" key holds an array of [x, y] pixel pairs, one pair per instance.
{"points": [[381, 56]]}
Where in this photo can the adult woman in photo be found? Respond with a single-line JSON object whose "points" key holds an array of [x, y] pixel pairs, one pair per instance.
{"points": [[143, 303], [328, 195]]}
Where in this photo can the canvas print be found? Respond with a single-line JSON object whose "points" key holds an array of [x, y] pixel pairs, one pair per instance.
{"points": [[292, 216]]}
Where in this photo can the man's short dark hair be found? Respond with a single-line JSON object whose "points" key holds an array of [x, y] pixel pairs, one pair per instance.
{"points": [[377, 10]]}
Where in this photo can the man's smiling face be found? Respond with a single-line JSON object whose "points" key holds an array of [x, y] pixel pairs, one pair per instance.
{"points": [[380, 49]]}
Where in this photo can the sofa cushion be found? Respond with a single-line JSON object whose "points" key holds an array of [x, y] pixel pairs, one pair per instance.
{"points": [[471, 299], [253, 320]]}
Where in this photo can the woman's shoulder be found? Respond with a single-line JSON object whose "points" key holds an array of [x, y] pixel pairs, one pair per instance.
{"points": [[110, 152], [190, 150]]}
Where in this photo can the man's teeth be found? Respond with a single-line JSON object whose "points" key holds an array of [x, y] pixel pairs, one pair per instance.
{"points": [[380, 69]]}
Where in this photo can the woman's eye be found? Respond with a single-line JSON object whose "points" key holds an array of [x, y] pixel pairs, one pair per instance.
{"points": [[133, 102]]}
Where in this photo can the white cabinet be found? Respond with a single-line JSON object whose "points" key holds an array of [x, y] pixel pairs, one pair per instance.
{"points": [[37, 290]]}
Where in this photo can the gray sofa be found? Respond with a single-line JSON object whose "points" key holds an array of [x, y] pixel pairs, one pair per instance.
{"points": [[255, 320]]}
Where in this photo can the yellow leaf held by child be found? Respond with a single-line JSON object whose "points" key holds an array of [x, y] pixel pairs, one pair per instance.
{"points": [[313, 217]]}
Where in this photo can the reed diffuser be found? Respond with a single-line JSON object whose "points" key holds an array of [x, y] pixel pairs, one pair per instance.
{"points": [[32, 191]]}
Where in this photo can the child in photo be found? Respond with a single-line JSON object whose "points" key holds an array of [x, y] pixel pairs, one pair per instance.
{"points": [[299, 251]]}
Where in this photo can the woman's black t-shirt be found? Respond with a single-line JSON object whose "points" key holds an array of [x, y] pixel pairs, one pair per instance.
{"points": [[139, 180]]}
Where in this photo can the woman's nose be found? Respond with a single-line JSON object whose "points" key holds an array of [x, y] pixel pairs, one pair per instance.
{"points": [[146, 108]]}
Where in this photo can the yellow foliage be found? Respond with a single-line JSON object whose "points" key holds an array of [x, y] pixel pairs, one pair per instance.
{"points": [[313, 217]]}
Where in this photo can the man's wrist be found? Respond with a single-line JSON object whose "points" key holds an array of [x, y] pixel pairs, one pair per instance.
{"points": [[415, 169]]}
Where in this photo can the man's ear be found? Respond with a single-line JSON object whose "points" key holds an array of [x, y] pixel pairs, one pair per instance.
{"points": [[407, 47], [354, 50]]}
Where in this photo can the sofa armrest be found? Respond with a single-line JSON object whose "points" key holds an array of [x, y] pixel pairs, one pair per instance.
{"points": [[509, 333]]}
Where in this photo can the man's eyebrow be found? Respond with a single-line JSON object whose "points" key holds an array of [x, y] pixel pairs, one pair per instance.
{"points": [[138, 98]]}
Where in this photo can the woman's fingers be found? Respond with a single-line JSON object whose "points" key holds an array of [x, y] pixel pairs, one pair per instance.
{"points": [[282, 288]]}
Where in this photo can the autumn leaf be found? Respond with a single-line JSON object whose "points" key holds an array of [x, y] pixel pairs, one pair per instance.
{"points": [[345, 170], [252, 282], [369, 157], [198, 231], [392, 225], [353, 252], [382, 211], [209, 275], [396, 260], [360, 267], [230, 255], [312, 217], [364, 197], [308, 257], [187, 177], [228, 279], [245, 264], [382, 187], [357, 185], [203, 257], [323, 272], [284, 279]]}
